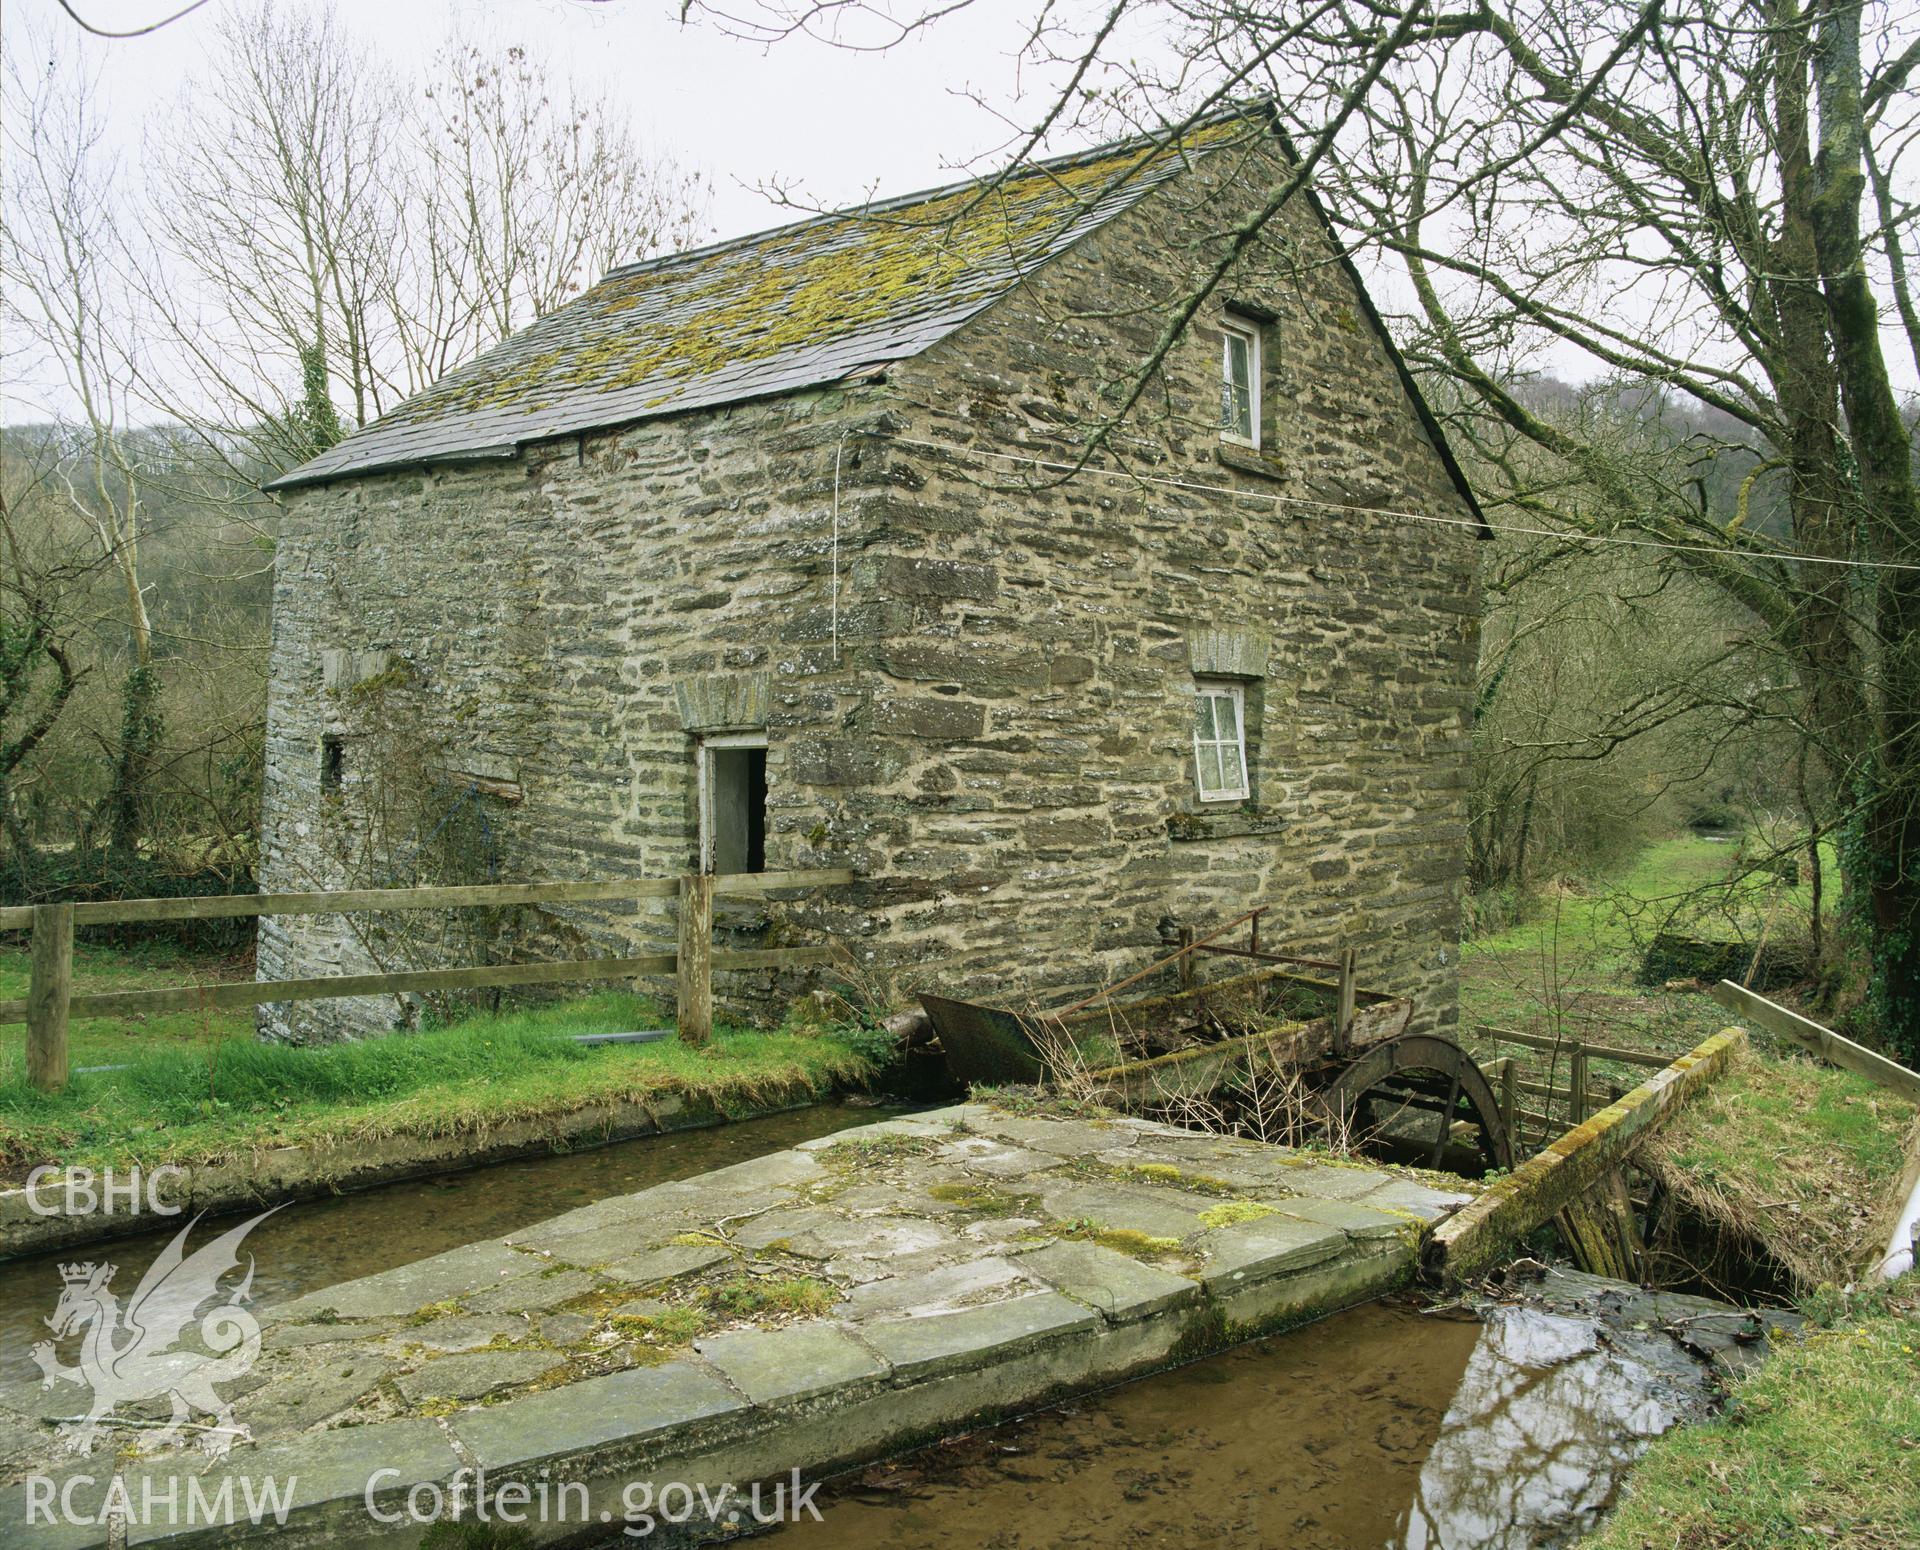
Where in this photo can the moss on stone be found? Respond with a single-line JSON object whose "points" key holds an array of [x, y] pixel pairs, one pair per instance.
{"points": [[859, 1151], [799, 1296], [1230, 1212], [982, 1199]]}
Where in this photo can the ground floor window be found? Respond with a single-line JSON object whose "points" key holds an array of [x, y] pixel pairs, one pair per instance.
{"points": [[1220, 740], [732, 771]]}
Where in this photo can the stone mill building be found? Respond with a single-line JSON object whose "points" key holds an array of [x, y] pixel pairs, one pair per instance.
{"points": [[775, 555]]}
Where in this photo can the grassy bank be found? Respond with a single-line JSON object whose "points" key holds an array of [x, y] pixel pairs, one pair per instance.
{"points": [[100, 1041], [1571, 962], [1797, 1157], [198, 1095], [1820, 1446]]}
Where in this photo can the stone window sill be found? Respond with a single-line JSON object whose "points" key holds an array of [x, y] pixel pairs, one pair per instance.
{"points": [[1228, 824], [1247, 461]]}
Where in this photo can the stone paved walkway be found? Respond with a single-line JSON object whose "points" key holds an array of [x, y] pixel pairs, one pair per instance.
{"points": [[810, 1309]]}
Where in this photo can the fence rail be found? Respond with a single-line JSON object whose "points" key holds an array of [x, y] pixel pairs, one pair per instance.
{"points": [[1580, 1095], [50, 1002]]}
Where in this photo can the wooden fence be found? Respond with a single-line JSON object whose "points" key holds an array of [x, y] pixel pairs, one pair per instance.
{"points": [[50, 1000], [1817, 1040], [1572, 1085]]}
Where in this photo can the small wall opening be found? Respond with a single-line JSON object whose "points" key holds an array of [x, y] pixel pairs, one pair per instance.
{"points": [[333, 763], [733, 804]]}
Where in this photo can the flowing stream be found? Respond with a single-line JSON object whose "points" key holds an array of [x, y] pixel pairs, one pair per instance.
{"points": [[1381, 1426], [1378, 1427]]}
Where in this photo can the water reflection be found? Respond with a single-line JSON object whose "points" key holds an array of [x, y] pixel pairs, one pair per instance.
{"points": [[1535, 1439], [1377, 1427]]}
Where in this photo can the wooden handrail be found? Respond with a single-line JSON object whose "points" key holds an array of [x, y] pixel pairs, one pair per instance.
{"points": [[346, 901], [1541, 1041]]}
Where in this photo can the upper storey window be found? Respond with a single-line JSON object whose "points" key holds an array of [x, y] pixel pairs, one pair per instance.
{"points": [[1240, 384]]}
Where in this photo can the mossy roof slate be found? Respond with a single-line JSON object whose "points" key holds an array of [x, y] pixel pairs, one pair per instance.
{"points": [[763, 315]]}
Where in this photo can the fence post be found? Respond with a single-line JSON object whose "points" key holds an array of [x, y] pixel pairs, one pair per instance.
{"points": [[1510, 1099], [1578, 1082], [694, 1006], [1343, 1024], [48, 992]]}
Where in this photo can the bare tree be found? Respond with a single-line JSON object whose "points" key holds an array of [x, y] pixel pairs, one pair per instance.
{"points": [[62, 261], [530, 190], [1705, 197], [347, 234]]}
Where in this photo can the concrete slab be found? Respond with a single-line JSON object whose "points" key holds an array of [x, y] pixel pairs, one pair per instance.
{"points": [[1269, 1247], [1322, 1181], [442, 1278], [941, 1290], [1060, 1137], [626, 1407], [1143, 1208], [782, 1366], [59, 1509], [657, 1266], [949, 1342], [1422, 1200], [474, 1374], [994, 1159], [1356, 1220], [548, 1289], [326, 1476], [458, 1332], [1120, 1287], [975, 1262]]}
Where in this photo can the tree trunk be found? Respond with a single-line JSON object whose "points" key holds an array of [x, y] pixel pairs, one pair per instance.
{"points": [[1890, 785]]}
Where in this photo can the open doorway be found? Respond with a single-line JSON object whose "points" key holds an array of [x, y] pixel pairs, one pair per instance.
{"points": [[733, 802]]}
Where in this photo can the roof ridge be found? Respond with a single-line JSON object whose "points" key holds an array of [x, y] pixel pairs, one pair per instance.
{"points": [[1064, 160], [771, 312]]}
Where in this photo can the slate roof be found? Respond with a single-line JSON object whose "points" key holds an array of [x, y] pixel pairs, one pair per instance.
{"points": [[758, 316]]}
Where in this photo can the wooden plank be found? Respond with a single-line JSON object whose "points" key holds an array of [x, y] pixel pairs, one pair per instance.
{"points": [[753, 884], [1475, 1237], [96, 912], [1343, 1012], [1597, 1097], [1831, 1047], [49, 996], [1540, 1041], [244, 993], [693, 1005]]}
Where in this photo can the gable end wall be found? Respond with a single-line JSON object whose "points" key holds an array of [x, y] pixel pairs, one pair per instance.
{"points": [[978, 696]]}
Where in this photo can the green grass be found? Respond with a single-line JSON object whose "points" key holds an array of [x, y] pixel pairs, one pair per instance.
{"points": [[99, 1041], [1572, 961], [185, 1099], [797, 1296], [1775, 1132], [1795, 1156], [1821, 1446]]}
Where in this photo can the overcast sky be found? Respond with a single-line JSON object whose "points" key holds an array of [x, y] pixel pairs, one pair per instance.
{"points": [[829, 124], [836, 121]]}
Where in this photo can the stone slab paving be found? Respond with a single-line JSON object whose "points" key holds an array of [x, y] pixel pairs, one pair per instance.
{"points": [[808, 1310]]}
